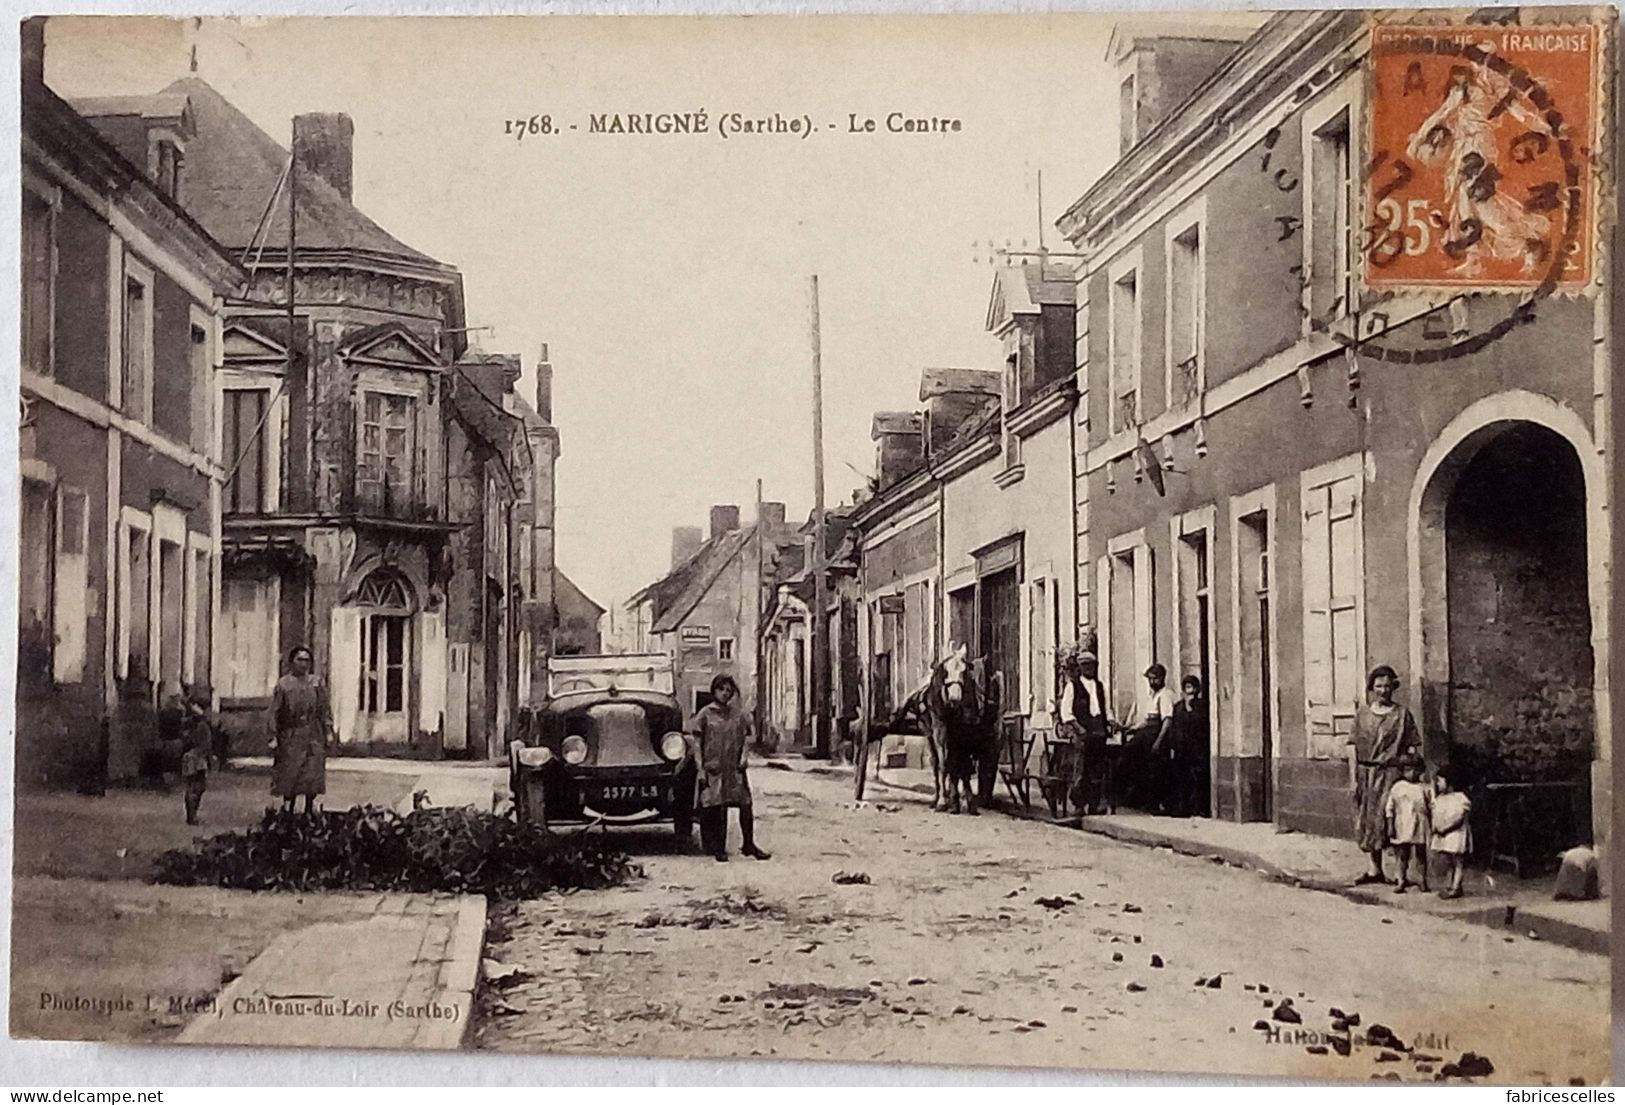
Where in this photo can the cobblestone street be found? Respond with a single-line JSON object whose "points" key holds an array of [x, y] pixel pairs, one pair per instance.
{"points": [[997, 941]]}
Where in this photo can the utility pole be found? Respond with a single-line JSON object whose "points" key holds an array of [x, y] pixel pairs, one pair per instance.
{"points": [[761, 630], [820, 621]]}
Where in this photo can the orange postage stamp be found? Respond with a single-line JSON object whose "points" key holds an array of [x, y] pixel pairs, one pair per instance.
{"points": [[1481, 168]]}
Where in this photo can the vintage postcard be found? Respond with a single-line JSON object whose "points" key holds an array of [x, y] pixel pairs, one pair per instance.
{"points": [[1126, 499]]}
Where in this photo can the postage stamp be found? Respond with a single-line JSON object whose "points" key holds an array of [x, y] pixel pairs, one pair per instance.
{"points": [[1481, 157]]}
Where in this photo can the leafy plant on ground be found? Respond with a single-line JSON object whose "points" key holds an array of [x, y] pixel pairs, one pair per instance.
{"points": [[460, 851]]}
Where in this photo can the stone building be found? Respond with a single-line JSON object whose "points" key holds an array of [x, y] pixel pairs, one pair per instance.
{"points": [[1269, 503], [580, 621], [706, 612], [119, 522], [338, 524]]}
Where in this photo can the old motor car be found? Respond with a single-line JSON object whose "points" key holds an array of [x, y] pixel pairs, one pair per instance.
{"points": [[607, 746]]}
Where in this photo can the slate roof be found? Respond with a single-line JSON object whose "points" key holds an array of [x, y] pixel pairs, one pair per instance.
{"points": [[689, 583], [571, 596], [232, 167]]}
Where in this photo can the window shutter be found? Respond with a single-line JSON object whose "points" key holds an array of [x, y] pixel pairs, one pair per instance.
{"points": [[70, 605], [1318, 682], [1145, 612], [344, 648]]}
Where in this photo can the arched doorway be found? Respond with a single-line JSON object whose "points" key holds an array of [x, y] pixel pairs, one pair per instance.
{"points": [[1504, 590], [385, 604]]}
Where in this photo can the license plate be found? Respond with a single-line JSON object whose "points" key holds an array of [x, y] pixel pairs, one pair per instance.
{"points": [[628, 792]]}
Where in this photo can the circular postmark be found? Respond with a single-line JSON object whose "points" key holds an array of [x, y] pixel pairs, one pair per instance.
{"points": [[1474, 184]]}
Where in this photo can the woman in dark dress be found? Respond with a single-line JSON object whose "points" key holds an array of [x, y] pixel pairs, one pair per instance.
{"points": [[1385, 735], [1190, 750], [723, 732], [301, 720]]}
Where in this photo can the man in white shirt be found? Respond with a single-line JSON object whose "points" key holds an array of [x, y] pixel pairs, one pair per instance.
{"points": [[1150, 744]]}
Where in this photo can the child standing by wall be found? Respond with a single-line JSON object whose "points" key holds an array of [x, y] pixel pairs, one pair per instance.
{"points": [[1409, 822], [1452, 835]]}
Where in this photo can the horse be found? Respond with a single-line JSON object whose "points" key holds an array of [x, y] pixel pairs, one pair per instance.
{"points": [[961, 731]]}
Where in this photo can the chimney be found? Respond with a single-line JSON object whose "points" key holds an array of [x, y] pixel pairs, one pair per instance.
{"points": [[773, 515], [899, 445], [685, 542], [323, 143], [953, 395], [724, 519], [33, 56], [544, 387]]}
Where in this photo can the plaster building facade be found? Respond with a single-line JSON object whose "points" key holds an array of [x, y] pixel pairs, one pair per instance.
{"points": [[122, 294], [1262, 506], [338, 416]]}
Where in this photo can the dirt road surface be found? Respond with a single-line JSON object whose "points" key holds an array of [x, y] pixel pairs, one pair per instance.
{"points": [[994, 941]]}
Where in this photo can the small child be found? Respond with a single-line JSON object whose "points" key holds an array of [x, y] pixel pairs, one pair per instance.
{"points": [[1408, 813], [1452, 835], [197, 746]]}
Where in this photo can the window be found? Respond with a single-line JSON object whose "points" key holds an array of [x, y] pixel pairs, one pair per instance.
{"points": [[1330, 196], [244, 445], [35, 591], [137, 348], [1195, 608], [169, 162], [202, 389], [1185, 316], [1125, 350], [385, 643], [1333, 604], [1012, 400], [39, 285], [1127, 110], [383, 665], [725, 649], [384, 471]]}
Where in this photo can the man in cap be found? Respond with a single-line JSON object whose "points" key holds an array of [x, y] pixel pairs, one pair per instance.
{"points": [[1150, 747]]}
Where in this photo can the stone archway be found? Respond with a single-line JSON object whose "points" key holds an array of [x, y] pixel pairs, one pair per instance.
{"points": [[1508, 572]]}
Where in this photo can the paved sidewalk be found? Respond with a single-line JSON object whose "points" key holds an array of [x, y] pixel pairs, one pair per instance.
{"points": [[401, 977], [1303, 859]]}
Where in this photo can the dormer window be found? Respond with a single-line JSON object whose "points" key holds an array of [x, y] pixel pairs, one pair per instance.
{"points": [[167, 162], [1127, 110]]}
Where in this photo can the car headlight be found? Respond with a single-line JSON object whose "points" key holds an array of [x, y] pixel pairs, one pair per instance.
{"points": [[673, 746], [534, 757], [575, 749]]}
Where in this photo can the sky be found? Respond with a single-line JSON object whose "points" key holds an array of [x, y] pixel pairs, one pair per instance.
{"points": [[669, 274]]}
